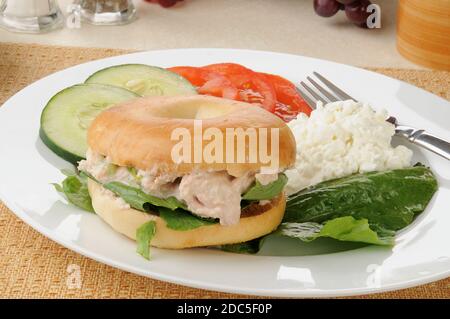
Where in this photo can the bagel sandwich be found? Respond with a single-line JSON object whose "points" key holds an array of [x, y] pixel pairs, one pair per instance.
{"points": [[146, 193]]}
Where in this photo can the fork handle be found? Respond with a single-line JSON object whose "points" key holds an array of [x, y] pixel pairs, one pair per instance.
{"points": [[425, 140]]}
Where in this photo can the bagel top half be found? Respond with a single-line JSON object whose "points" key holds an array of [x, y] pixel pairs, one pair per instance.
{"points": [[138, 133]]}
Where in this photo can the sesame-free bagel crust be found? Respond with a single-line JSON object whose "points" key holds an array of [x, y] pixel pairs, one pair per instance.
{"points": [[138, 133]]}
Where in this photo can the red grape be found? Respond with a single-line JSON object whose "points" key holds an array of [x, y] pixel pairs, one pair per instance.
{"points": [[326, 8], [346, 1], [357, 12], [165, 3]]}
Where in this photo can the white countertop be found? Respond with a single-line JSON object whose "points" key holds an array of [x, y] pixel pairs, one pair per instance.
{"points": [[289, 26]]}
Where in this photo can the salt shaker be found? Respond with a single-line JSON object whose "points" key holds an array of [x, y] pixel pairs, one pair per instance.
{"points": [[31, 16]]}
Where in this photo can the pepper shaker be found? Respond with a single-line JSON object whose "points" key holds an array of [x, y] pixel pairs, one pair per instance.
{"points": [[107, 12]]}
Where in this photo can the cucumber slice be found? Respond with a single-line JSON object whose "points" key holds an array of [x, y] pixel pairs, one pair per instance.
{"points": [[67, 116], [144, 80]]}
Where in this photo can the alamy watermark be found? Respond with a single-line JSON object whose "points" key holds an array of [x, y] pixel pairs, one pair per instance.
{"points": [[374, 278], [374, 19], [73, 19], [232, 145], [73, 280]]}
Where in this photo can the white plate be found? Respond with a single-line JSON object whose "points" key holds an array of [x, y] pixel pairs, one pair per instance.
{"points": [[421, 255]]}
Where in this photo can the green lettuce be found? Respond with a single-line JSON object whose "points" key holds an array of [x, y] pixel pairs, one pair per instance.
{"points": [[75, 189], [342, 228], [171, 210], [269, 191], [144, 236], [248, 247], [389, 200], [367, 208], [180, 219], [140, 200]]}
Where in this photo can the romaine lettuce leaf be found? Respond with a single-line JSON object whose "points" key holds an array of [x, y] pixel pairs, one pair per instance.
{"points": [[342, 228], [262, 192], [144, 236], [140, 200], [74, 187], [366, 208], [248, 247], [180, 219], [171, 210], [389, 200]]}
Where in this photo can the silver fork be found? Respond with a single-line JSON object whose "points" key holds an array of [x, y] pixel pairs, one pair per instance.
{"points": [[328, 92]]}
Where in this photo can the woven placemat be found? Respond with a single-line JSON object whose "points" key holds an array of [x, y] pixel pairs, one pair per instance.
{"points": [[32, 266]]}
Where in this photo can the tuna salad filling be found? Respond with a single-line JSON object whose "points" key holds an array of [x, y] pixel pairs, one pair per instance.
{"points": [[206, 194]]}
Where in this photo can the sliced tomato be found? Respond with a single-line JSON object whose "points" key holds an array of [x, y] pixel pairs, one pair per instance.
{"points": [[207, 82], [234, 81], [252, 87], [289, 101]]}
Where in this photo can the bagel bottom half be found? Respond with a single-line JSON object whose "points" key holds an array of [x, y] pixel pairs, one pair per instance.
{"points": [[127, 220]]}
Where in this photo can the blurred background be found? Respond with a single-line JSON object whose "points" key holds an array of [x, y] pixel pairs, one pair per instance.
{"points": [[290, 26]]}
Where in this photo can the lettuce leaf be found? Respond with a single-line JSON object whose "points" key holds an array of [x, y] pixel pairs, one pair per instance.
{"points": [[262, 192], [144, 236], [342, 228], [137, 198], [171, 210], [75, 189], [140, 200], [389, 200], [248, 247], [367, 208], [180, 219]]}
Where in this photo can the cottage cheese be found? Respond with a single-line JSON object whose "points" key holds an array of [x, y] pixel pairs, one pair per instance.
{"points": [[342, 138]]}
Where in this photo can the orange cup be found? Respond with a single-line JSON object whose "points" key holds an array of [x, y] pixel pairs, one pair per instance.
{"points": [[423, 32]]}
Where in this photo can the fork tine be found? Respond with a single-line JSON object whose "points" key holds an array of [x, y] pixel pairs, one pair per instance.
{"points": [[306, 97], [312, 92], [325, 93], [333, 87]]}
